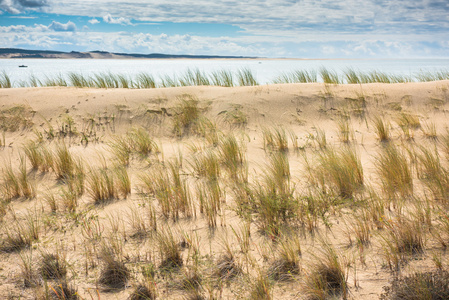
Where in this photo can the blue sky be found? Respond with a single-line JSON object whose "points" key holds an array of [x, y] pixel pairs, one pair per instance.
{"points": [[270, 28]]}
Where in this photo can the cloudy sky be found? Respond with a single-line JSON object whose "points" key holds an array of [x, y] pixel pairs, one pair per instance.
{"points": [[268, 28]]}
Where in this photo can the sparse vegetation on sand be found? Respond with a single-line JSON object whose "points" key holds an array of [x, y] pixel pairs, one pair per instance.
{"points": [[255, 193]]}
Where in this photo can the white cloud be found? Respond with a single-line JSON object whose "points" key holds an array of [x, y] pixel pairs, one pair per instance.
{"points": [[109, 19], [21, 17], [280, 15], [18, 6], [56, 26], [39, 28], [93, 21]]}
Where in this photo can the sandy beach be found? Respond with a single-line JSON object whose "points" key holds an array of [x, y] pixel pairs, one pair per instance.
{"points": [[96, 178]]}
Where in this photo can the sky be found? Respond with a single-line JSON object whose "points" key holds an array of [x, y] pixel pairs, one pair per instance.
{"points": [[263, 28]]}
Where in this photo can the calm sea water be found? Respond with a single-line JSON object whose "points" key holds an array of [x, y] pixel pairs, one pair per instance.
{"points": [[264, 70]]}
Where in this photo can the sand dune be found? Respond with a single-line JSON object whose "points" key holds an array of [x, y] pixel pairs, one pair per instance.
{"points": [[321, 203]]}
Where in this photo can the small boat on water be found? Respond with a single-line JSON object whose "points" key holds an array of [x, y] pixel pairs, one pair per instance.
{"points": [[23, 66]]}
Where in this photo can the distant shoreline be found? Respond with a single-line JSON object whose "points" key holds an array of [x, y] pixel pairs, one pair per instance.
{"points": [[17, 53], [14, 53]]}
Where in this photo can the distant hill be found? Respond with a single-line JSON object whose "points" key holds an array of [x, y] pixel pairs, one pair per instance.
{"points": [[23, 53]]}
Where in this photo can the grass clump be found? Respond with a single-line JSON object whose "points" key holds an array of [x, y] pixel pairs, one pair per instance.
{"points": [[210, 195], [206, 165], [338, 169], [16, 117], [274, 202], [407, 236], [408, 122], [5, 81], [222, 78], [261, 287], [79, 80], [64, 164], [19, 184], [232, 158], [106, 184], [53, 266], [63, 290], [329, 77], [245, 77], [20, 234], [186, 116], [382, 129], [142, 143], [169, 250], [394, 172], [144, 291], [275, 139], [226, 267], [121, 149], [298, 76], [345, 132], [170, 189], [328, 276], [194, 78], [235, 116], [432, 173], [114, 274], [145, 81], [421, 285], [429, 130], [287, 264]]}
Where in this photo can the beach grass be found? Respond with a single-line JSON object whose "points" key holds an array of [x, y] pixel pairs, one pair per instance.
{"points": [[223, 78]]}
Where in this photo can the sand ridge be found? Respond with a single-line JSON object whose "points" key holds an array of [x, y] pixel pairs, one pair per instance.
{"points": [[90, 121]]}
